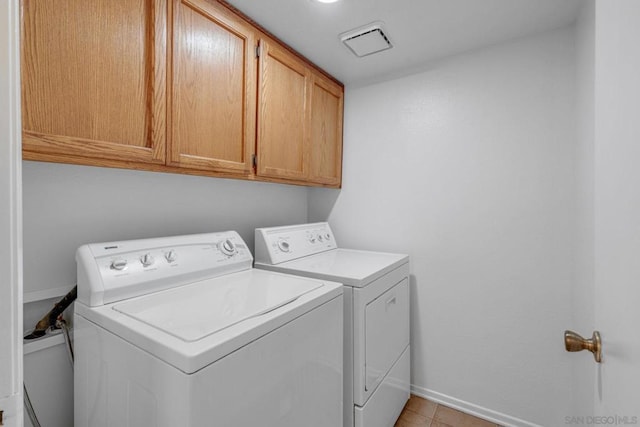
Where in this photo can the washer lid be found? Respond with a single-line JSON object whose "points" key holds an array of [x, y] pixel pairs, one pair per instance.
{"points": [[348, 266], [193, 312], [164, 330]]}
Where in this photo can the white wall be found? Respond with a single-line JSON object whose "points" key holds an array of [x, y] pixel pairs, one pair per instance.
{"points": [[583, 366], [66, 206], [469, 167]]}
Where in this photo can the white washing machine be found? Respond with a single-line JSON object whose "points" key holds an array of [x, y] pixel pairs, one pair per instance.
{"points": [[376, 314], [182, 331]]}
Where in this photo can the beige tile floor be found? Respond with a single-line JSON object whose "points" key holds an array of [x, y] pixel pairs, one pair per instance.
{"points": [[419, 412]]}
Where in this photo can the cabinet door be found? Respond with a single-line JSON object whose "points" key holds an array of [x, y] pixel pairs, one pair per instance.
{"points": [[283, 107], [93, 79], [325, 163], [214, 96]]}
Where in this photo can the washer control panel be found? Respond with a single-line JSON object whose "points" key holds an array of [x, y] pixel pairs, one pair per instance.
{"points": [[280, 244], [110, 272]]}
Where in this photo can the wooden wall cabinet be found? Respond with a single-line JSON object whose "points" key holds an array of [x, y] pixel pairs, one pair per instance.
{"points": [[299, 120], [174, 86], [283, 109], [213, 98], [94, 78], [325, 141]]}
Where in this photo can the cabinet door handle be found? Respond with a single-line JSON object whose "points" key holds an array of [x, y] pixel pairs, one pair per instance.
{"points": [[391, 300]]}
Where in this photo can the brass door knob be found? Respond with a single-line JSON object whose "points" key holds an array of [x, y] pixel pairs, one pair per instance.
{"points": [[574, 342]]}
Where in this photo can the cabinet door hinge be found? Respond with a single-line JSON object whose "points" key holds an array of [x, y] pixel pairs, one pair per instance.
{"points": [[258, 51]]}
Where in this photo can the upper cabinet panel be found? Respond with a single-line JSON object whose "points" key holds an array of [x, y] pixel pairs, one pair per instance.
{"points": [[327, 99], [299, 120], [93, 78], [214, 88], [283, 107]]}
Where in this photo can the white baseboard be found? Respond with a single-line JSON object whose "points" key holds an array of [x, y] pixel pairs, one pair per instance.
{"points": [[471, 409]]}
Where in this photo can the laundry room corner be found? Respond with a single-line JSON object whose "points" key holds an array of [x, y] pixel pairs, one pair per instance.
{"points": [[468, 166]]}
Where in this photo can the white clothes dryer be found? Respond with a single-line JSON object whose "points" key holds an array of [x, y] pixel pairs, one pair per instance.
{"points": [[181, 331], [376, 314]]}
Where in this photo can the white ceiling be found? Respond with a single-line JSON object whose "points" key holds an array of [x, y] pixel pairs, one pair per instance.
{"points": [[420, 30]]}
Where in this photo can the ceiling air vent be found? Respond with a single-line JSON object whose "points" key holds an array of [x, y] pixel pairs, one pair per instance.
{"points": [[366, 40]]}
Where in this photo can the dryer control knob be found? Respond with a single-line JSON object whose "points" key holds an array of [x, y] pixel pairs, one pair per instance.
{"points": [[119, 264], [228, 248], [147, 260]]}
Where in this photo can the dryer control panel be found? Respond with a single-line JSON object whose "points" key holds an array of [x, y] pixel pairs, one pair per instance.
{"points": [[275, 245], [113, 271]]}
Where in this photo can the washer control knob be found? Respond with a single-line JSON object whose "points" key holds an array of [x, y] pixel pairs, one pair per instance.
{"points": [[320, 238], [327, 236], [284, 245], [228, 248], [312, 238], [171, 256], [147, 260], [119, 264]]}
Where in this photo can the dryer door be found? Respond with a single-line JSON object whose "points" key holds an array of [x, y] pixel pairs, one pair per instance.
{"points": [[380, 330], [386, 332]]}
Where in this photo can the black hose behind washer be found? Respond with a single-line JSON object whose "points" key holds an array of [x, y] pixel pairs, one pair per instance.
{"points": [[49, 319]]}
